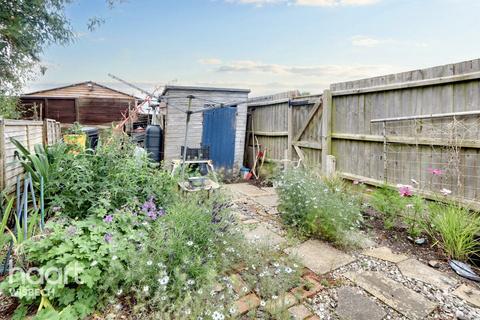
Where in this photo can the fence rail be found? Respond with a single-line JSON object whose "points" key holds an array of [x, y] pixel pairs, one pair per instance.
{"points": [[391, 129], [29, 133]]}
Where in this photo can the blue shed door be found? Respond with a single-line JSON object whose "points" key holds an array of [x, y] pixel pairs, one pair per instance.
{"points": [[219, 134]]}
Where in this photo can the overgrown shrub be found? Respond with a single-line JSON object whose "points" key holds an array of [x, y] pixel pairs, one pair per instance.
{"points": [[9, 107], [455, 228], [318, 207], [109, 178]]}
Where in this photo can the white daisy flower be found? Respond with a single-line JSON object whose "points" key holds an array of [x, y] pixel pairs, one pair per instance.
{"points": [[263, 303], [146, 288], [114, 258], [149, 262], [288, 270], [164, 281], [190, 243], [217, 316]]}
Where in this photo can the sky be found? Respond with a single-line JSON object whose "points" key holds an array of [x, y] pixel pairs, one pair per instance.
{"points": [[268, 46]]}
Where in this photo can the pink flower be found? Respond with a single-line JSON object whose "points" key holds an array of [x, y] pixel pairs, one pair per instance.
{"points": [[435, 172], [445, 191], [405, 190], [108, 218]]}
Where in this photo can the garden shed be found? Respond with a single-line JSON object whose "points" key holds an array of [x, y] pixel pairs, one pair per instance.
{"points": [[220, 129], [86, 102]]}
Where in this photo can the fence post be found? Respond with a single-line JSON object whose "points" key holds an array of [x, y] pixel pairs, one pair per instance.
{"points": [[2, 154], [384, 133], [326, 129], [290, 131]]}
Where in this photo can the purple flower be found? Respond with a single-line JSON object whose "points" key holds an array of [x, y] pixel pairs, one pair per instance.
{"points": [[152, 215], [108, 218], [71, 231], [161, 212], [149, 205], [108, 237]]}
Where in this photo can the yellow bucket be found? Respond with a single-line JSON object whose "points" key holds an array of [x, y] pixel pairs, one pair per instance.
{"points": [[76, 141]]}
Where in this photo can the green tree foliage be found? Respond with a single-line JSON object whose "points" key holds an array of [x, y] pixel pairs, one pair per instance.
{"points": [[27, 27]]}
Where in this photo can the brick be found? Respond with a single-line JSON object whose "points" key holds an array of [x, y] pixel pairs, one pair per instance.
{"points": [[299, 312], [281, 303], [239, 285], [246, 303], [303, 293]]}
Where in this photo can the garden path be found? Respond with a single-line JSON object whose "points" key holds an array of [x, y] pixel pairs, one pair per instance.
{"points": [[373, 283]]}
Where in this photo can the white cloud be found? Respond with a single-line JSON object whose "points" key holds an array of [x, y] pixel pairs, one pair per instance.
{"points": [[325, 71], [311, 3], [366, 41], [210, 61]]}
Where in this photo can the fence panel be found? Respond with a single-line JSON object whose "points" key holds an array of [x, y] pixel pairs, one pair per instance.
{"points": [[27, 132]]}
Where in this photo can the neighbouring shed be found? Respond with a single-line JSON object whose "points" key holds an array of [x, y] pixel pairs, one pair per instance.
{"points": [[221, 129], [87, 102]]}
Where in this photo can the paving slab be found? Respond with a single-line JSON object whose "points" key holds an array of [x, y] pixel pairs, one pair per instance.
{"points": [[299, 312], [267, 201], [469, 294], [246, 303], [319, 256], [407, 302], [264, 235], [355, 306], [385, 253], [413, 268], [240, 190]]}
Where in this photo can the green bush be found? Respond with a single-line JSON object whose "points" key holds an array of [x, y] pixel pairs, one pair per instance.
{"points": [[110, 178], [8, 107], [455, 228], [318, 207]]}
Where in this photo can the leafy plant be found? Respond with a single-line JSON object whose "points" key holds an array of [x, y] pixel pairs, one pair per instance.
{"points": [[37, 164], [8, 107], [389, 202], [76, 128], [318, 207], [455, 228], [6, 212]]}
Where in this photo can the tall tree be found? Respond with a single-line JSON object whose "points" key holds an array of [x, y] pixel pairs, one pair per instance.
{"points": [[27, 27]]}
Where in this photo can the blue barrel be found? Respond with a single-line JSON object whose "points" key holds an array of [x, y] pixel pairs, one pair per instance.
{"points": [[153, 142]]}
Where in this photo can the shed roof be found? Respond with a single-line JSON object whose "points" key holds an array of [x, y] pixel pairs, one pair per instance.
{"points": [[210, 89], [83, 89]]}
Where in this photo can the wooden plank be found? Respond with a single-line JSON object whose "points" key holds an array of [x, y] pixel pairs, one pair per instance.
{"points": [[271, 133], [308, 144], [300, 153], [326, 127], [310, 116], [411, 84], [473, 144]]}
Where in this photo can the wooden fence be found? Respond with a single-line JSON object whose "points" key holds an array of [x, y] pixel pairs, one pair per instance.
{"points": [[381, 130], [29, 133]]}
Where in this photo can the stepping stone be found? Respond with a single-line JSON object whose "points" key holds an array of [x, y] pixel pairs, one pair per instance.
{"points": [[299, 312], [407, 302], [244, 189], [264, 235], [355, 306], [415, 269], [320, 257], [267, 201], [469, 294], [385, 253]]}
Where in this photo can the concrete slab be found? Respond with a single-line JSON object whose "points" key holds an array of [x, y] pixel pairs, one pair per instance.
{"points": [[415, 269], [264, 235], [239, 190], [407, 302], [469, 294], [355, 306], [267, 201], [385, 253], [319, 256]]}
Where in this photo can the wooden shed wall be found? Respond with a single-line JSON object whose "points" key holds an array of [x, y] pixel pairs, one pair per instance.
{"points": [[175, 120]]}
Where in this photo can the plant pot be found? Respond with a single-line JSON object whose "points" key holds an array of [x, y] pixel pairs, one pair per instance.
{"points": [[76, 142]]}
